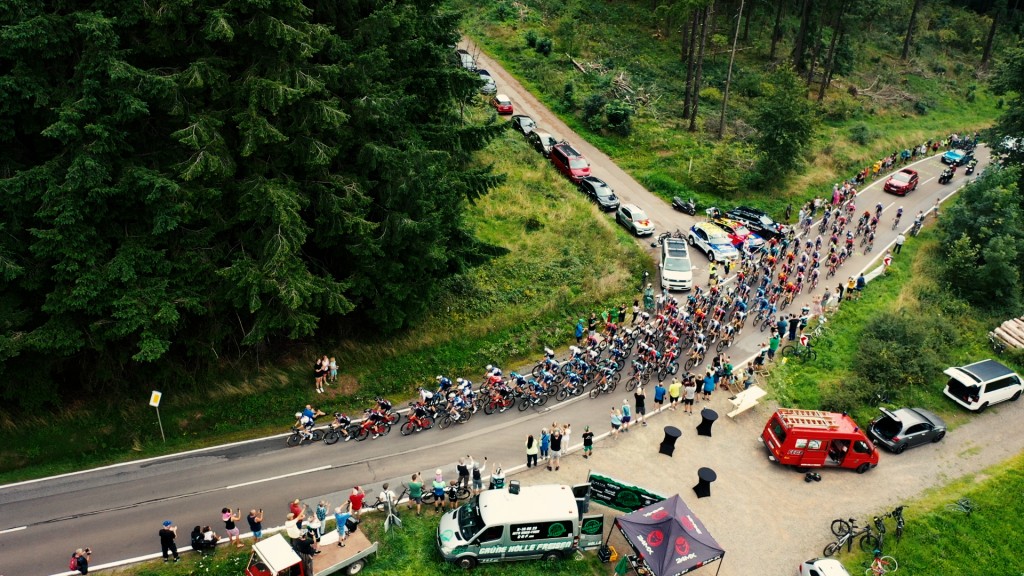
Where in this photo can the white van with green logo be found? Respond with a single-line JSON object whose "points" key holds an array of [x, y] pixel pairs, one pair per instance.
{"points": [[546, 521]]}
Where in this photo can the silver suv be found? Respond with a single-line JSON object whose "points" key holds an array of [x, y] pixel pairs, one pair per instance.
{"points": [[635, 220]]}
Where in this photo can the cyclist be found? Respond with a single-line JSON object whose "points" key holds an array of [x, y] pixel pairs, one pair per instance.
{"points": [[377, 420], [443, 384], [466, 390], [426, 396], [341, 423], [306, 424], [420, 412], [384, 405], [878, 210]]}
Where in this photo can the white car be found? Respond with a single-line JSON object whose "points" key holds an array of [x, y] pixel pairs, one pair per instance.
{"points": [[635, 220], [713, 241], [979, 385], [822, 567], [676, 269]]}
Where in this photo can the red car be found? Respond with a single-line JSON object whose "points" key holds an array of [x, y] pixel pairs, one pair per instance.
{"points": [[902, 182], [502, 103]]}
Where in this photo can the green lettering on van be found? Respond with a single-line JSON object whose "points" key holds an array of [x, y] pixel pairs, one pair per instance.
{"points": [[592, 527], [628, 498], [556, 529]]}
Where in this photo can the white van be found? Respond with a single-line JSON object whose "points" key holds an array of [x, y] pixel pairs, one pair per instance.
{"points": [[977, 386], [676, 269], [545, 521]]}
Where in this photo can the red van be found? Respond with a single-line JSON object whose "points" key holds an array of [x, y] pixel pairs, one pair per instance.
{"points": [[816, 439]]}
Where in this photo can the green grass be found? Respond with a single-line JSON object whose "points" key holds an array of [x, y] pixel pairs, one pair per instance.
{"points": [[410, 551], [911, 287], [941, 542], [624, 40], [563, 260]]}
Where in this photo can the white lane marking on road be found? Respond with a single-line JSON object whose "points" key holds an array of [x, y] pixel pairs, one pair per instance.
{"points": [[13, 529], [928, 180], [272, 478]]}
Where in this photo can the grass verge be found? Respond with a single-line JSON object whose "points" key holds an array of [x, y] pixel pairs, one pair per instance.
{"points": [[941, 542], [563, 259]]}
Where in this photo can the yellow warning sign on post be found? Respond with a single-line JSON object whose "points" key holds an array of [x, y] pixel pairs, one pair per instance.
{"points": [[154, 399]]}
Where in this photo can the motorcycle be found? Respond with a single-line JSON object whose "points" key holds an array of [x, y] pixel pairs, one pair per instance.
{"points": [[688, 207], [970, 167], [946, 176]]}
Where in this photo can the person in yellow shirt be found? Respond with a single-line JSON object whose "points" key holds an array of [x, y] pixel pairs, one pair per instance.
{"points": [[674, 390]]}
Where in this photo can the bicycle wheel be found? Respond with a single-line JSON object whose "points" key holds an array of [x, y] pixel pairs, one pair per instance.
{"points": [[870, 542], [293, 440], [899, 531], [385, 429], [541, 399], [662, 373], [631, 384], [690, 363], [462, 493], [831, 549], [722, 345], [788, 350], [407, 428], [525, 403], [331, 437], [363, 433], [840, 527], [318, 435], [810, 356], [489, 408], [428, 497], [765, 325], [563, 394], [888, 564], [595, 392]]}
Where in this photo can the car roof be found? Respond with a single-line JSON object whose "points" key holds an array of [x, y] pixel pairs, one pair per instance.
{"points": [[828, 567], [710, 228], [482, 72], [985, 370], [527, 116], [502, 97], [594, 180], [729, 222], [910, 416], [632, 207]]}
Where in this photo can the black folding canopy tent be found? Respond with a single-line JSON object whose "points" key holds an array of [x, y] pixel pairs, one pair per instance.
{"points": [[669, 539]]}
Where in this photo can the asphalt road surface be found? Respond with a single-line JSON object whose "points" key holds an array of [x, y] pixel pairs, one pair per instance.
{"points": [[117, 510]]}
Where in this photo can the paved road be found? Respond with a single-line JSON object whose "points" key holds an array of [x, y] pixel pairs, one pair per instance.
{"points": [[117, 510]]}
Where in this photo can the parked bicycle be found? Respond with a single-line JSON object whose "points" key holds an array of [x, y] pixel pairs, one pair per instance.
{"points": [[381, 505], [881, 565], [964, 506], [799, 351], [897, 513], [462, 494], [846, 531]]}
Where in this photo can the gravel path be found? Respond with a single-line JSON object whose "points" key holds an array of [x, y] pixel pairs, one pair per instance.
{"points": [[764, 515]]}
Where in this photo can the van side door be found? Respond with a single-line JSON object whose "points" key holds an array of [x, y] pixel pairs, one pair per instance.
{"points": [[490, 544], [812, 451], [581, 492], [591, 532]]}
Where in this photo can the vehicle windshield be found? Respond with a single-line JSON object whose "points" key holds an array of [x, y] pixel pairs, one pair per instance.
{"points": [[766, 221], [578, 163], [740, 230], [550, 140], [504, 102], [901, 177], [677, 265], [603, 192], [639, 216], [470, 521], [718, 238]]}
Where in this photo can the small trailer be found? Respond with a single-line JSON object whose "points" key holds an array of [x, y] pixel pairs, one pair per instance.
{"points": [[274, 556]]}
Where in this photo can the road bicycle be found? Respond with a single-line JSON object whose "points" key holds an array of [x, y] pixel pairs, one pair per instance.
{"points": [[298, 436], [845, 532], [416, 424], [804, 353], [881, 565], [334, 433], [378, 429], [529, 400], [896, 222], [381, 505], [964, 506], [447, 419], [605, 385], [916, 228], [462, 494], [897, 513]]}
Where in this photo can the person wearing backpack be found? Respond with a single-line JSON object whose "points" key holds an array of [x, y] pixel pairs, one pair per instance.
{"points": [[80, 561]]}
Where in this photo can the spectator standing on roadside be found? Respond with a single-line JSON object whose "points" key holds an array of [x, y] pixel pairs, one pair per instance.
{"points": [[636, 309], [627, 415], [355, 500], [616, 421], [640, 401], [690, 394], [900, 239], [229, 525], [588, 442], [295, 508], [321, 517], [556, 449], [773, 345], [794, 323], [674, 390], [861, 282], [255, 520], [839, 293], [709, 384], [291, 527], [167, 534], [579, 332], [659, 395], [438, 486], [566, 433], [545, 443], [478, 475], [622, 315], [416, 493], [463, 469], [532, 448]]}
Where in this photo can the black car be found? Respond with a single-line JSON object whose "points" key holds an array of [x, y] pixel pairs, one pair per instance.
{"points": [[523, 124], [905, 428], [542, 142], [758, 222], [600, 192]]}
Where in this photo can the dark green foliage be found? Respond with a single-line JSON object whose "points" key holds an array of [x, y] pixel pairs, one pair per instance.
{"points": [[618, 114], [862, 134], [785, 121], [1008, 82], [186, 181], [983, 235], [569, 96], [593, 107], [897, 351], [921, 107], [544, 46], [531, 39]]}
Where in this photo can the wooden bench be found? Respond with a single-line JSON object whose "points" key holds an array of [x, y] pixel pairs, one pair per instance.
{"points": [[746, 400]]}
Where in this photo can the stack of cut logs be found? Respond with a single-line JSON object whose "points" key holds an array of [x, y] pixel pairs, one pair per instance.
{"points": [[1011, 332]]}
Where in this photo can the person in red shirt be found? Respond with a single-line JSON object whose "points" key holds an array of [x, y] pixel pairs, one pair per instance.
{"points": [[355, 500], [295, 508]]}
